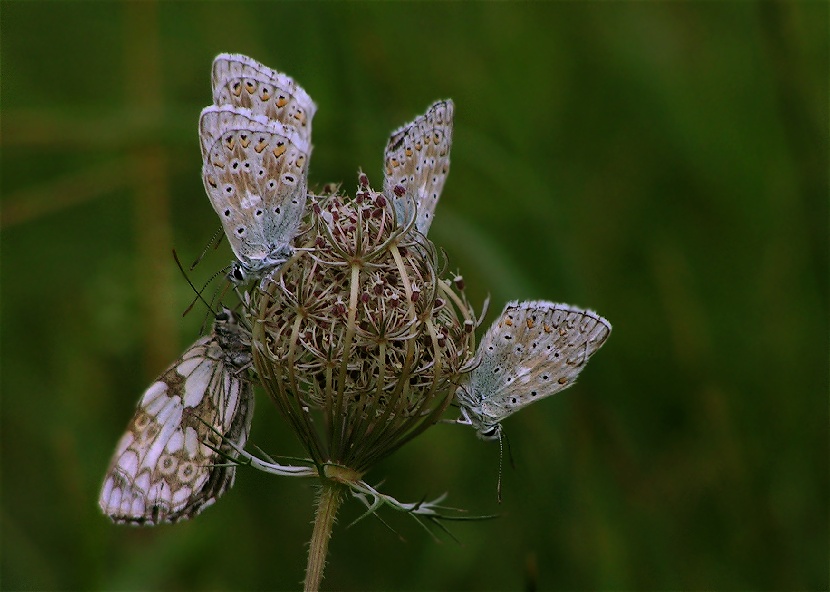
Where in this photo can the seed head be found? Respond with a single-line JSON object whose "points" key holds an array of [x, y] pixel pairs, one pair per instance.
{"points": [[359, 340]]}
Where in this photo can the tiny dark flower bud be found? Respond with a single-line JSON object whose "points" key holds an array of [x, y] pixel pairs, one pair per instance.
{"points": [[399, 190]]}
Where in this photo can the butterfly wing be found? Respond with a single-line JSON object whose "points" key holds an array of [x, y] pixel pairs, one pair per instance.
{"points": [[534, 350], [255, 173], [166, 467], [417, 160], [243, 82]]}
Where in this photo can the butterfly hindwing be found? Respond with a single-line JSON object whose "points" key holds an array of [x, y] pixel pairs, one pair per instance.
{"points": [[170, 464], [255, 173], [533, 350], [417, 160]]}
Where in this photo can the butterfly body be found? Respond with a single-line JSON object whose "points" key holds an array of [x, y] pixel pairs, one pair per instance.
{"points": [[170, 463], [535, 349]]}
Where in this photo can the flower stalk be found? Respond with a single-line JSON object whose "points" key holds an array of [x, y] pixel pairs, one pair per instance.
{"points": [[328, 502]]}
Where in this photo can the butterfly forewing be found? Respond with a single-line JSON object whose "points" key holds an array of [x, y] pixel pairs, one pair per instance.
{"points": [[534, 350], [172, 461], [417, 160], [243, 82], [255, 173]]}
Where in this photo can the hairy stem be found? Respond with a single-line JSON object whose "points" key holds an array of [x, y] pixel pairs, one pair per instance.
{"points": [[331, 495]]}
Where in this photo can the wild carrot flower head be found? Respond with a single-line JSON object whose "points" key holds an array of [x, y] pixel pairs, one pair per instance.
{"points": [[360, 339]]}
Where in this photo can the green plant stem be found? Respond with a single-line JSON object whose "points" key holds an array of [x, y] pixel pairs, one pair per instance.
{"points": [[331, 495]]}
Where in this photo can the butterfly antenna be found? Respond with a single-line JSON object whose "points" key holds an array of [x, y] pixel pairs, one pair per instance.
{"points": [[218, 241], [501, 456], [509, 453], [190, 283], [502, 435]]}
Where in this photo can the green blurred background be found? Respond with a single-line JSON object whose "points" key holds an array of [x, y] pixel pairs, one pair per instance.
{"points": [[662, 163]]}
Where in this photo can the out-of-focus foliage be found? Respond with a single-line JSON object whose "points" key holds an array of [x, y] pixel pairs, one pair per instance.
{"points": [[663, 163]]}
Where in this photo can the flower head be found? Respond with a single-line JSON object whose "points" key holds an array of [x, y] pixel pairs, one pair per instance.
{"points": [[359, 339]]}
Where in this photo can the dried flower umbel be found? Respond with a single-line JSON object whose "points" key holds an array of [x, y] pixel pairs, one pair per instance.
{"points": [[359, 340]]}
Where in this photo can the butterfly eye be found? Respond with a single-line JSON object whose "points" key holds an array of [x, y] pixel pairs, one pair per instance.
{"points": [[238, 274]]}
